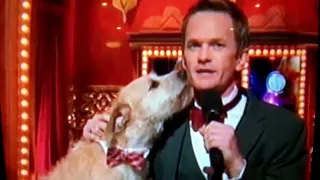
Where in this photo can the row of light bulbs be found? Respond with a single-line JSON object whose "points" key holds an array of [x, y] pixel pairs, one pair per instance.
{"points": [[24, 88], [254, 52]]}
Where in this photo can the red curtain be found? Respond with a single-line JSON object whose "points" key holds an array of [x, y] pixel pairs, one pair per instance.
{"points": [[51, 87]]}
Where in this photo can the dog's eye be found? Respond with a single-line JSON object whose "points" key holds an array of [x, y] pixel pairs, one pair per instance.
{"points": [[154, 84]]}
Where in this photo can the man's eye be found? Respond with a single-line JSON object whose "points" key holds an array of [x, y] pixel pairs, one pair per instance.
{"points": [[153, 85], [193, 45], [218, 45]]}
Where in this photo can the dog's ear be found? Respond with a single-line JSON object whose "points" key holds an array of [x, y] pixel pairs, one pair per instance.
{"points": [[120, 115], [180, 69], [178, 66]]}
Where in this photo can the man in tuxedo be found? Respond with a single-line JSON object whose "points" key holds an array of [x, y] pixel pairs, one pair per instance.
{"points": [[258, 141]]}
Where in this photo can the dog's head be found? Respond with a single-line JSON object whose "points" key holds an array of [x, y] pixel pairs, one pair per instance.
{"points": [[145, 104]]}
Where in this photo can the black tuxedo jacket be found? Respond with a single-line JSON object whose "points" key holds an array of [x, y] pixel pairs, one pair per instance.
{"points": [[272, 140]]}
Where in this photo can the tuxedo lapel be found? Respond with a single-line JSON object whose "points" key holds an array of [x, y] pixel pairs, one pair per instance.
{"points": [[250, 128], [170, 145], [173, 151]]}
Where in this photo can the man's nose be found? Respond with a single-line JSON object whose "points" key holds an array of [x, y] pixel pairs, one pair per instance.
{"points": [[204, 55]]}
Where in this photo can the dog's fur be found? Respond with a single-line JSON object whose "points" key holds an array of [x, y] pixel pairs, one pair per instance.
{"points": [[144, 104]]}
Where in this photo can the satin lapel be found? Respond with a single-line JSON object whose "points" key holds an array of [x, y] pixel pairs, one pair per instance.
{"points": [[250, 128], [171, 153], [170, 147]]}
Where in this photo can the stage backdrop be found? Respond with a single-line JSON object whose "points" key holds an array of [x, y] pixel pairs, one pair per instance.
{"points": [[83, 43]]}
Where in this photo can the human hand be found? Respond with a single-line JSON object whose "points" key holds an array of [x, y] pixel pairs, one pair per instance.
{"points": [[223, 137], [94, 128]]}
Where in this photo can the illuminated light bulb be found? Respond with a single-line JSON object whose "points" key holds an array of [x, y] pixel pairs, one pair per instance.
{"points": [[24, 28], [119, 28], [301, 112], [174, 53], [292, 52], [24, 103], [162, 53], [298, 52], [303, 78], [144, 53], [180, 53], [24, 139], [25, 16], [258, 52], [24, 78], [257, 5], [24, 127], [24, 91], [168, 53], [144, 72], [272, 52], [265, 52], [245, 72], [302, 85], [301, 98], [149, 52], [301, 105], [26, 4], [245, 85], [303, 52], [245, 78], [303, 65], [24, 41], [303, 58], [24, 162], [24, 66], [286, 52], [279, 52], [301, 92], [24, 151], [24, 53], [156, 52], [24, 172], [303, 72], [24, 115], [145, 59], [104, 4], [251, 52], [144, 66]]}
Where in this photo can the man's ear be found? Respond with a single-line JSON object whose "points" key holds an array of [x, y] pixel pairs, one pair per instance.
{"points": [[119, 118], [241, 61]]}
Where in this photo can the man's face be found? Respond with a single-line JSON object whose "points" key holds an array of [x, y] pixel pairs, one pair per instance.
{"points": [[210, 52]]}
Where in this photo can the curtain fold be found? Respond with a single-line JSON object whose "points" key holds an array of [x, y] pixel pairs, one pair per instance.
{"points": [[51, 91]]}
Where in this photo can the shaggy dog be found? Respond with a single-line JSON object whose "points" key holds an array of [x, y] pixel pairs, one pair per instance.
{"points": [[144, 105]]}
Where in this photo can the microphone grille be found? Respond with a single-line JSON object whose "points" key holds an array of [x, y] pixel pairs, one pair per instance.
{"points": [[210, 101]]}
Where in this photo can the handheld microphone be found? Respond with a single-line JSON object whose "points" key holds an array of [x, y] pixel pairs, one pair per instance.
{"points": [[212, 107]]}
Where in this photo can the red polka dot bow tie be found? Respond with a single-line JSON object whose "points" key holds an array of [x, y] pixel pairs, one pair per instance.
{"points": [[117, 156]]}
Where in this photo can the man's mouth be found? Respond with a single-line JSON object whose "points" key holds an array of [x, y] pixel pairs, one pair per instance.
{"points": [[205, 71]]}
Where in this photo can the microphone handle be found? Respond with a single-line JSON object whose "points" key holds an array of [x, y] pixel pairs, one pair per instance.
{"points": [[217, 163], [216, 156]]}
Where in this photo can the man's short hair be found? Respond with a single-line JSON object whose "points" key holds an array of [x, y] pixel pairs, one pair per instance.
{"points": [[240, 20]]}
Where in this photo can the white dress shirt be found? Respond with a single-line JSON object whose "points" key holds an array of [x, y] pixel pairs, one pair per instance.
{"points": [[233, 117]]}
